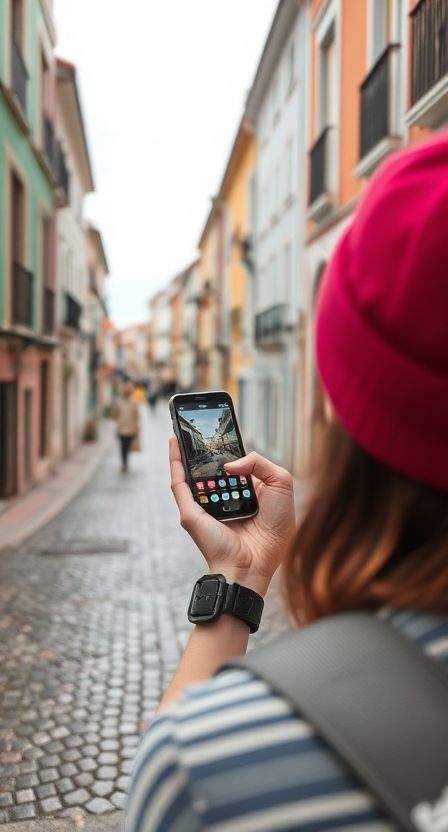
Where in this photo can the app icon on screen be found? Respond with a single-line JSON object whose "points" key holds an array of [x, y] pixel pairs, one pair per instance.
{"points": [[200, 486], [225, 495], [246, 492], [222, 483], [243, 480], [215, 498], [203, 498], [211, 484], [235, 495], [233, 481]]}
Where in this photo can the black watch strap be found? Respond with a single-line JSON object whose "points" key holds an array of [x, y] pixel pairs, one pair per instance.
{"points": [[244, 603], [212, 596]]}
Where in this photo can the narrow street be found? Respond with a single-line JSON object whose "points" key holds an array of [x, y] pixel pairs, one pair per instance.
{"points": [[92, 622]]}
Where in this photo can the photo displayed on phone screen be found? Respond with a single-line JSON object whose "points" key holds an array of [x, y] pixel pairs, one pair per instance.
{"points": [[210, 439]]}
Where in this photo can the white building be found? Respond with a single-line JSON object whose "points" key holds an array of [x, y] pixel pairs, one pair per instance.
{"points": [[160, 306], [188, 329], [277, 107], [71, 399]]}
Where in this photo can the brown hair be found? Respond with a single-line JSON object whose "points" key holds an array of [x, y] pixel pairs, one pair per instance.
{"points": [[369, 537]]}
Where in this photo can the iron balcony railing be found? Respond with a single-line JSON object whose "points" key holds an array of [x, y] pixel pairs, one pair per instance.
{"points": [[72, 312], [429, 45], [22, 295], [48, 311], [377, 100], [61, 173], [270, 324], [19, 75], [48, 135], [319, 164]]}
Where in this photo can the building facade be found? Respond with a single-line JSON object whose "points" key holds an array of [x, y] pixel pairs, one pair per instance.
{"points": [[28, 178], [237, 197], [72, 392], [378, 81], [277, 107], [100, 392]]}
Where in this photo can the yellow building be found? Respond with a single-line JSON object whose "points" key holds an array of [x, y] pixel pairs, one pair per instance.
{"points": [[212, 336], [225, 313], [236, 189]]}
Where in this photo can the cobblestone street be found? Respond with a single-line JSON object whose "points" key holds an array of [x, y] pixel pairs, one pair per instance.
{"points": [[92, 621]]}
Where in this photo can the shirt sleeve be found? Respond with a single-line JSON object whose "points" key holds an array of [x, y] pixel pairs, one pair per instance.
{"points": [[159, 797]]}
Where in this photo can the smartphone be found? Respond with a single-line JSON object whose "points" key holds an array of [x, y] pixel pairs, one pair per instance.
{"points": [[208, 434]]}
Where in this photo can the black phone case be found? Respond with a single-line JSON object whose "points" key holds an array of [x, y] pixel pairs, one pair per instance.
{"points": [[184, 458]]}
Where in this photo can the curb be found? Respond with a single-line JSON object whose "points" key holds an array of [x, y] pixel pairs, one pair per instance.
{"points": [[28, 514], [105, 823]]}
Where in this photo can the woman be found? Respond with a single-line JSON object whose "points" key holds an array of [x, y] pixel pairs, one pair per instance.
{"points": [[228, 754], [126, 416]]}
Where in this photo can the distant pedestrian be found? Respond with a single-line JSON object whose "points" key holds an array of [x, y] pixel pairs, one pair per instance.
{"points": [[153, 394], [127, 418]]}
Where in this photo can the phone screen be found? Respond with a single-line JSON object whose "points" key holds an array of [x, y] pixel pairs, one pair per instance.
{"points": [[210, 437]]}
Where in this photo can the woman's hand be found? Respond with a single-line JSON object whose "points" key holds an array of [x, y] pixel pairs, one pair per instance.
{"points": [[246, 551]]}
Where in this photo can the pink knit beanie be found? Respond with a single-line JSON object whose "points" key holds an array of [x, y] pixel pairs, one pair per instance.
{"points": [[382, 319]]}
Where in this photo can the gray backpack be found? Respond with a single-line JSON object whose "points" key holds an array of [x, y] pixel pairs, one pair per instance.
{"points": [[378, 701]]}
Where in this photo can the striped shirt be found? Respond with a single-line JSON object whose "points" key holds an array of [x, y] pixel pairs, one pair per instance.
{"points": [[231, 756]]}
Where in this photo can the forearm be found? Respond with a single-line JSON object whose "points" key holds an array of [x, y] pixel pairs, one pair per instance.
{"points": [[209, 646]]}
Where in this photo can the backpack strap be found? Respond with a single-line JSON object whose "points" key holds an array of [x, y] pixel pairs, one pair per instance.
{"points": [[378, 700]]}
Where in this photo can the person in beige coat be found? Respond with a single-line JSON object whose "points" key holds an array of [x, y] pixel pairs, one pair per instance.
{"points": [[127, 419]]}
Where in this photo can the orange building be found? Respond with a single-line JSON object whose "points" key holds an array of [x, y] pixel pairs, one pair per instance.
{"points": [[378, 80]]}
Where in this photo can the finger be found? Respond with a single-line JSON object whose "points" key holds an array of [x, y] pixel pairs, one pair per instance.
{"points": [[181, 490], [176, 466], [258, 466]]}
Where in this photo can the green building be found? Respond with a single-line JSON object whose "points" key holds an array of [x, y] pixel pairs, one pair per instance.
{"points": [[33, 178]]}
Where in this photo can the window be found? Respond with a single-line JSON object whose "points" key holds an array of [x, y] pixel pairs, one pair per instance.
{"points": [[45, 251], [383, 26], [328, 93], [273, 288], [291, 66], [289, 184], [287, 281], [252, 204], [17, 220], [43, 437], [17, 23]]}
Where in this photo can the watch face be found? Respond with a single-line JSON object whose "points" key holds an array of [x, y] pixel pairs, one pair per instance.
{"points": [[207, 599]]}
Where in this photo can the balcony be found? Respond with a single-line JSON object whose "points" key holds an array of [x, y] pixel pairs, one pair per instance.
{"points": [[73, 312], [380, 128], [429, 83], [270, 327], [62, 175], [321, 198], [22, 296], [19, 76], [48, 311], [48, 140]]}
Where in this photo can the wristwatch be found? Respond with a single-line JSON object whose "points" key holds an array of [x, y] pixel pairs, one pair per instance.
{"points": [[212, 596]]}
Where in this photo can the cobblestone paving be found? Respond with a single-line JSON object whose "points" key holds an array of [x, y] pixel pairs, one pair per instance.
{"points": [[92, 622]]}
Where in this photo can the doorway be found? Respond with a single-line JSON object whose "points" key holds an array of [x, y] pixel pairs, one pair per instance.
{"points": [[27, 438], [8, 439]]}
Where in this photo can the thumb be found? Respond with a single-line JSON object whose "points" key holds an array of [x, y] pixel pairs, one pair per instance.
{"points": [[261, 468]]}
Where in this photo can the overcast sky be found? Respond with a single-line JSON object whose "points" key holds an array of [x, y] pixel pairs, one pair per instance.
{"points": [[163, 83]]}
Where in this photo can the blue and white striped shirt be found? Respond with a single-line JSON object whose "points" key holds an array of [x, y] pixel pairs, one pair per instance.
{"points": [[231, 756]]}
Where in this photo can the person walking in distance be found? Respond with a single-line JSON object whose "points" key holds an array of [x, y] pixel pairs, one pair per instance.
{"points": [[127, 419]]}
